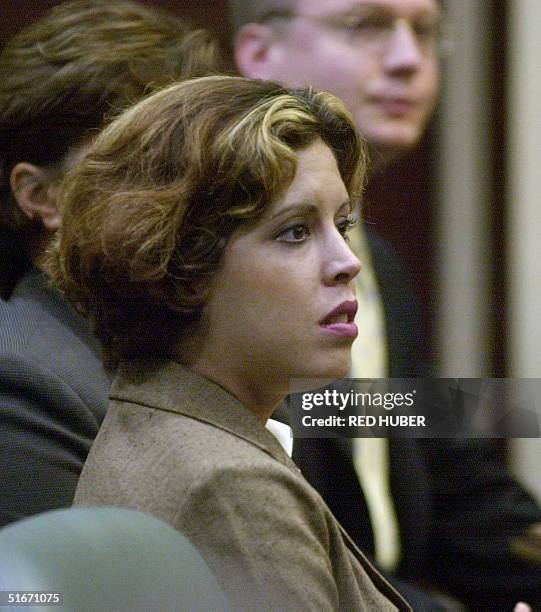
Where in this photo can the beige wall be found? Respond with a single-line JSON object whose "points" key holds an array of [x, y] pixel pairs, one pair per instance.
{"points": [[524, 199], [462, 191]]}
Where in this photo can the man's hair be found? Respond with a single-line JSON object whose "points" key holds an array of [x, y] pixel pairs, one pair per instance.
{"points": [[242, 12], [63, 75], [148, 212]]}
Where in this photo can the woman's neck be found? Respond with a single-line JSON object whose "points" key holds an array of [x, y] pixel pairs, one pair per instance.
{"points": [[257, 393], [261, 399]]}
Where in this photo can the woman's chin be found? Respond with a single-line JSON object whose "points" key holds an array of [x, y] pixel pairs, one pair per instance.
{"points": [[335, 368]]}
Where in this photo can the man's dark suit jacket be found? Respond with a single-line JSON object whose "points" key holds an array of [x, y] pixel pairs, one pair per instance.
{"points": [[53, 397], [457, 509]]}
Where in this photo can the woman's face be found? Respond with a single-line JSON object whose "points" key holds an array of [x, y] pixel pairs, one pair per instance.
{"points": [[283, 302]]}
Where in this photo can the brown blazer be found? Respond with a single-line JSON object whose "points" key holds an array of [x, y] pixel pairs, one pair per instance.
{"points": [[179, 447]]}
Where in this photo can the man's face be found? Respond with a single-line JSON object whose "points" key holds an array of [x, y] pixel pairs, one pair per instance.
{"points": [[379, 56]]}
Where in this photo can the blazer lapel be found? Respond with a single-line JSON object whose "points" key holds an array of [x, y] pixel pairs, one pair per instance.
{"points": [[171, 387], [381, 583]]}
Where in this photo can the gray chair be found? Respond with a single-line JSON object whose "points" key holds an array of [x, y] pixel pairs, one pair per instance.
{"points": [[106, 559]]}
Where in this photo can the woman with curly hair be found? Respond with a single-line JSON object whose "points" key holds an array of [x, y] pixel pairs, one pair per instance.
{"points": [[205, 236]]}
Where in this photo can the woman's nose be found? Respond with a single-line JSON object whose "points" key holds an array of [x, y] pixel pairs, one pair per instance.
{"points": [[341, 265]]}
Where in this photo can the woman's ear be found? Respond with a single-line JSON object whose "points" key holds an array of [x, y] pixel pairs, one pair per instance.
{"points": [[32, 189]]}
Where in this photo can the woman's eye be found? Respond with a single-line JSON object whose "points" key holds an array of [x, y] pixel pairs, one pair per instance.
{"points": [[294, 234], [346, 224]]}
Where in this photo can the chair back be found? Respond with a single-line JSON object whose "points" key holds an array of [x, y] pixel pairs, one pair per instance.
{"points": [[105, 559]]}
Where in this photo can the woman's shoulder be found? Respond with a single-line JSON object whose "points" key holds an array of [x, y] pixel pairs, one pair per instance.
{"points": [[253, 517], [179, 467], [138, 435]]}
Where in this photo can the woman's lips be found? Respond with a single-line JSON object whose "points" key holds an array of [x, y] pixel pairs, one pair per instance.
{"points": [[344, 330], [339, 321]]}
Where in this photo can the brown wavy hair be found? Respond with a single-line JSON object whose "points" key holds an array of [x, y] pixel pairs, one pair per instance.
{"points": [[61, 77], [147, 214]]}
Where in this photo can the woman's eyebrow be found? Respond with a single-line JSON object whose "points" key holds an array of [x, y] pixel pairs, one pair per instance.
{"points": [[307, 209], [300, 208]]}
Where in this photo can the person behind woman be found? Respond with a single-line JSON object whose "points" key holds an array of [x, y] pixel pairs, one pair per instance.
{"points": [[204, 234], [60, 78]]}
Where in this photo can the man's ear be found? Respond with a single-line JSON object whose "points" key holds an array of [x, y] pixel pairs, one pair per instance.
{"points": [[256, 51], [36, 197]]}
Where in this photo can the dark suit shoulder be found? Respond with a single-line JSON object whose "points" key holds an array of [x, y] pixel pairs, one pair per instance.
{"points": [[53, 396], [39, 331]]}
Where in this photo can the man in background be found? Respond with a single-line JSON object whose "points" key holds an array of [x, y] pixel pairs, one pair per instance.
{"points": [[61, 79], [442, 513]]}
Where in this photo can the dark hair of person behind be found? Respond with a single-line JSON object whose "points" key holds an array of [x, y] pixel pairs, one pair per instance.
{"points": [[148, 212], [64, 75]]}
